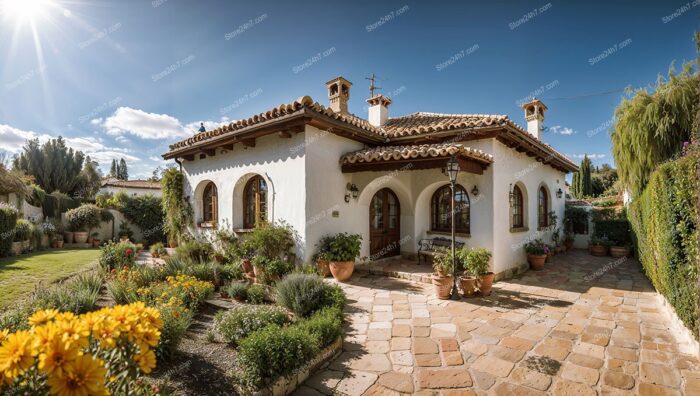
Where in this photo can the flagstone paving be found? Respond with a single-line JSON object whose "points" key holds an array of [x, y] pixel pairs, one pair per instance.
{"points": [[583, 326]]}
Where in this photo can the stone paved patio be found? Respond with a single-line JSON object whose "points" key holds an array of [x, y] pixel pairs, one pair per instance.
{"points": [[566, 330]]}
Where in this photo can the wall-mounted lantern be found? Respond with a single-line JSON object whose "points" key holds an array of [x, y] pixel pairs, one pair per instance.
{"points": [[351, 190], [475, 190], [560, 193]]}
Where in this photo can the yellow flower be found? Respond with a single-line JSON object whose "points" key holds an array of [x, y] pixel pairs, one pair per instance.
{"points": [[42, 316], [149, 337], [15, 355], [74, 332], [43, 335], [146, 361], [85, 376], [57, 357], [64, 316], [107, 332], [3, 334]]}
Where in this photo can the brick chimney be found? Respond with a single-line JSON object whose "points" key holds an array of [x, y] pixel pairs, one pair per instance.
{"points": [[378, 110], [534, 115], [339, 94]]}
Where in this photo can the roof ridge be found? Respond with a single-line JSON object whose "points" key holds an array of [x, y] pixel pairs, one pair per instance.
{"points": [[434, 114]]}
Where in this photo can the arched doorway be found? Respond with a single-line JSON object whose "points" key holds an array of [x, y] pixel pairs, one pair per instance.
{"points": [[384, 224]]}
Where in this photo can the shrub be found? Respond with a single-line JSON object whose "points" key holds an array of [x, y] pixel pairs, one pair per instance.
{"points": [[442, 261], [272, 241], [229, 272], [117, 255], [302, 294], [475, 260], [121, 291], [665, 224], [238, 323], [84, 218], [618, 231], [237, 290], [23, 230], [256, 294], [194, 250], [271, 268], [8, 220], [177, 209], [272, 352], [325, 326], [344, 247], [146, 212], [536, 247], [158, 250], [188, 289], [125, 230], [176, 320], [334, 296]]}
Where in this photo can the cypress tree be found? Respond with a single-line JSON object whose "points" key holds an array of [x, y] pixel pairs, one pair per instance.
{"points": [[586, 185], [113, 169], [123, 172]]}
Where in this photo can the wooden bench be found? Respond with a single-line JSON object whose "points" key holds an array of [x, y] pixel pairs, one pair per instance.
{"points": [[428, 247]]}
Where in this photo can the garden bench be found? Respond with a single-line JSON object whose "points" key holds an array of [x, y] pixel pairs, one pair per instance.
{"points": [[428, 247]]}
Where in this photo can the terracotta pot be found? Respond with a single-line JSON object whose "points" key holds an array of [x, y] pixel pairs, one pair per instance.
{"points": [[172, 243], [598, 250], [568, 244], [548, 257], [342, 270], [68, 237], [45, 240], [155, 255], [323, 267], [26, 244], [16, 248], [536, 261], [443, 286], [58, 244], [247, 266], [468, 285], [250, 278], [619, 251], [96, 243], [80, 237], [485, 283]]}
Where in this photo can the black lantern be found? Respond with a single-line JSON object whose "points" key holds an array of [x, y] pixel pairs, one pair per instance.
{"points": [[452, 169], [475, 191], [351, 190], [559, 193]]}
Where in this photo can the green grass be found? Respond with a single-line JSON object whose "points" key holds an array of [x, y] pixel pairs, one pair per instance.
{"points": [[20, 275]]}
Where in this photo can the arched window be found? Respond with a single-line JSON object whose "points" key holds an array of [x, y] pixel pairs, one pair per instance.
{"points": [[542, 207], [441, 210], [254, 202], [209, 203], [517, 210]]}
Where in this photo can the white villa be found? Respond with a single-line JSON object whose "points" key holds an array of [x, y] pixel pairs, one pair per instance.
{"points": [[134, 188], [324, 170]]}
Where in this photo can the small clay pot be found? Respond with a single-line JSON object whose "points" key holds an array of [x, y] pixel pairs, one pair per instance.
{"points": [[443, 286], [536, 261], [323, 267], [598, 250], [468, 285], [619, 251], [342, 270], [485, 283]]}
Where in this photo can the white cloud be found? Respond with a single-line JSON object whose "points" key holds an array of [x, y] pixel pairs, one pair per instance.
{"points": [[208, 125], [144, 125], [560, 130], [156, 159], [96, 121], [85, 144], [12, 139], [590, 156], [104, 158]]}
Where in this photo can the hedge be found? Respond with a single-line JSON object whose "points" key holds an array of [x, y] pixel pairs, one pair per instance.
{"points": [[664, 220], [617, 231], [8, 220]]}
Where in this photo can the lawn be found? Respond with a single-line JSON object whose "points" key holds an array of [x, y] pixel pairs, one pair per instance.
{"points": [[20, 275]]}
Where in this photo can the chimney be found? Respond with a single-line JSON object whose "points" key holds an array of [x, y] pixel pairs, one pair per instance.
{"points": [[338, 94], [534, 115], [378, 110]]}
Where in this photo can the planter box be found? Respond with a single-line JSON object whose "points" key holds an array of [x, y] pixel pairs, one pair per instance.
{"points": [[286, 385]]}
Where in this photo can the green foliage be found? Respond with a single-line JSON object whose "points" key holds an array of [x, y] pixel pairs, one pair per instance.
{"points": [[238, 323], [176, 320], [665, 223], [344, 247], [84, 218], [581, 182], [146, 212], [325, 326], [536, 247], [323, 248], [271, 241], [117, 255], [575, 219], [125, 230], [475, 260], [269, 269], [650, 128], [53, 165], [8, 220], [22, 230], [304, 294], [89, 180], [618, 231], [256, 294], [237, 290], [194, 250], [443, 261], [272, 352], [600, 240], [157, 249], [178, 211]]}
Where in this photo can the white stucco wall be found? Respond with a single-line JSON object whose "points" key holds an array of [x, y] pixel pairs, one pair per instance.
{"points": [[130, 191], [279, 161]]}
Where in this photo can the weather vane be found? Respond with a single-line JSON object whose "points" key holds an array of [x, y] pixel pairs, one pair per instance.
{"points": [[372, 87]]}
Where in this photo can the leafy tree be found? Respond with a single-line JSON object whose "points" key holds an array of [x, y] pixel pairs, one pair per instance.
{"points": [[90, 179], [651, 127], [53, 166], [123, 171]]}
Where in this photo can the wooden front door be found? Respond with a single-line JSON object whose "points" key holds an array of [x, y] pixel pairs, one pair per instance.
{"points": [[384, 224]]}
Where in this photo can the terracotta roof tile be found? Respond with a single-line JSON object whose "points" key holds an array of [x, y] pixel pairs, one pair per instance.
{"points": [[131, 184], [387, 153], [422, 122]]}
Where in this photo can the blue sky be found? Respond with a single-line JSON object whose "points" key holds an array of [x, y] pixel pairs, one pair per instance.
{"points": [[127, 78]]}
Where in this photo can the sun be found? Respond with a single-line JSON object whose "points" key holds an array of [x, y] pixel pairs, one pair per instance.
{"points": [[24, 10]]}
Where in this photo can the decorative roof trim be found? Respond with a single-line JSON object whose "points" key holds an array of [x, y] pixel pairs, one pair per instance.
{"points": [[391, 153]]}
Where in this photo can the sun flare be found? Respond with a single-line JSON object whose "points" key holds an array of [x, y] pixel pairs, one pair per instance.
{"points": [[23, 10]]}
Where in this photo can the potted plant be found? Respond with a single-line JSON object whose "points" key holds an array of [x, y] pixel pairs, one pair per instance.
{"points": [[95, 239], [343, 248], [620, 250], [477, 262], [442, 273], [48, 230], [268, 270], [550, 253], [57, 242], [321, 256], [568, 239], [83, 219], [20, 237], [467, 281], [536, 254], [598, 245], [125, 233], [158, 250]]}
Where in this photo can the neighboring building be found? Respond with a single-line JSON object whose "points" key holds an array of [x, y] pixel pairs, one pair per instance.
{"points": [[324, 170], [130, 187]]}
